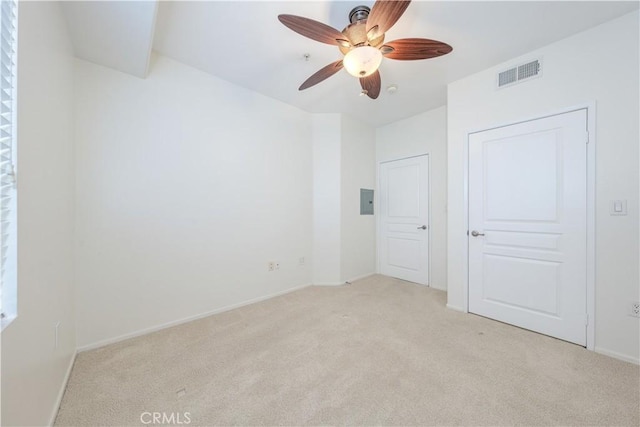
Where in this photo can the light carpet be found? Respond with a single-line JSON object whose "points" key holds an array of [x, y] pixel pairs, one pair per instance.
{"points": [[378, 352]]}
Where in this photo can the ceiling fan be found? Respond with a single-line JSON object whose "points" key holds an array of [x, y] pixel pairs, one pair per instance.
{"points": [[362, 43]]}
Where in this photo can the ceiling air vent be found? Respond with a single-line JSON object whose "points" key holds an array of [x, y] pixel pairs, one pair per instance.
{"points": [[519, 73]]}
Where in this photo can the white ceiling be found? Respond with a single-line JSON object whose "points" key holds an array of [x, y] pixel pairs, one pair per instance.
{"points": [[243, 42], [116, 34]]}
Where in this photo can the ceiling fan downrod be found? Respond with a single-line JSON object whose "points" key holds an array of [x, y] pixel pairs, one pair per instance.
{"points": [[359, 13]]}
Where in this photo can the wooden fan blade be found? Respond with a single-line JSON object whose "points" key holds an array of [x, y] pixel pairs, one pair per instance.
{"points": [[412, 49], [384, 14], [314, 30], [371, 84], [322, 74]]}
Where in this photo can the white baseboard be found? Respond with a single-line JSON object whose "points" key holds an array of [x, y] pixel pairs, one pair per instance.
{"points": [[604, 351], [145, 331], [63, 388], [363, 276], [455, 308], [353, 279], [617, 355]]}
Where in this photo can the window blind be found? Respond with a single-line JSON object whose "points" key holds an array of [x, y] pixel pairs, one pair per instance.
{"points": [[8, 12]]}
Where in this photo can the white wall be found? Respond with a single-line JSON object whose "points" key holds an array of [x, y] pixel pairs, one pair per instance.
{"points": [[187, 186], [417, 135], [599, 65], [326, 199], [33, 370], [357, 169], [343, 162]]}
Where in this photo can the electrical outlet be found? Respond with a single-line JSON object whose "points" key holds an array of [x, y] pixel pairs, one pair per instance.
{"points": [[277, 265], [634, 310], [271, 266]]}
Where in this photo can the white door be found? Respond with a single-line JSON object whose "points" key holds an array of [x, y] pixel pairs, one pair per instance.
{"points": [[527, 225], [404, 219]]}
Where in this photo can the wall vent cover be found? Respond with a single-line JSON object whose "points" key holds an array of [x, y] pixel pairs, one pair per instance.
{"points": [[520, 72]]}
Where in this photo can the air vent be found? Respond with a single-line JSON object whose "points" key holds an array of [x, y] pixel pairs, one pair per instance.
{"points": [[508, 77], [519, 73]]}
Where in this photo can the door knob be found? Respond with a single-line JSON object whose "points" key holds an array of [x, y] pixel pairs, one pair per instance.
{"points": [[424, 227], [474, 233]]}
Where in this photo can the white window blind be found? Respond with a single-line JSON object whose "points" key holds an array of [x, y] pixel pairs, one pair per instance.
{"points": [[8, 15]]}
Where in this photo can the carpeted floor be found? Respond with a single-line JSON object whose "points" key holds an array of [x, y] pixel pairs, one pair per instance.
{"points": [[378, 352]]}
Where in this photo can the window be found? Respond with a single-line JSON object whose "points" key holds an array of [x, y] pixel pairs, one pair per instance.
{"points": [[8, 217]]}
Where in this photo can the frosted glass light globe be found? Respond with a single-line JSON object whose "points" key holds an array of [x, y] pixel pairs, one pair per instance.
{"points": [[362, 61]]}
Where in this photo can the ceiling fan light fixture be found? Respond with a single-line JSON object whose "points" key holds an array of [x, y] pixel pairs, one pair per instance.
{"points": [[362, 61]]}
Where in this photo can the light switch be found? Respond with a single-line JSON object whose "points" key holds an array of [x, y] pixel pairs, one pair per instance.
{"points": [[618, 207]]}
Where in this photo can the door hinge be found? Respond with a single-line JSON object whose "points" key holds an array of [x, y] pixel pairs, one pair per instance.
{"points": [[586, 137]]}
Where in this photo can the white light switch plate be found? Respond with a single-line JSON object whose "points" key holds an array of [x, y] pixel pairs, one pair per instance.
{"points": [[618, 207]]}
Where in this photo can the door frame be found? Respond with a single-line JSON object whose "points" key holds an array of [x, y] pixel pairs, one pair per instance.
{"points": [[377, 209], [590, 108]]}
